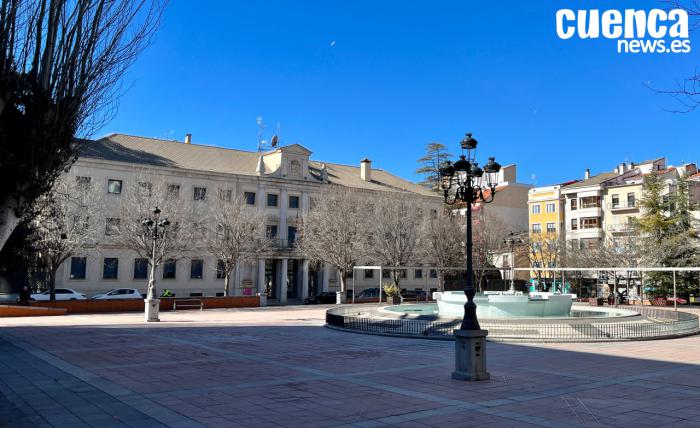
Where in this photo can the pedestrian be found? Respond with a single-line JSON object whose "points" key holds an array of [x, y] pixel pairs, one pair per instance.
{"points": [[24, 296]]}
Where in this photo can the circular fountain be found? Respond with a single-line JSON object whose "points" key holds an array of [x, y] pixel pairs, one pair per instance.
{"points": [[512, 316]]}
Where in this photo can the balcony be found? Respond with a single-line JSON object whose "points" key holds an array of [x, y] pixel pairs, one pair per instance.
{"points": [[284, 244], [619, 228], [623, 205]]}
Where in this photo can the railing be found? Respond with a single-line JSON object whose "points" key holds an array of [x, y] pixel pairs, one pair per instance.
{"points": [[285, 244], [622, 205], [619, 227], [659, 323]]}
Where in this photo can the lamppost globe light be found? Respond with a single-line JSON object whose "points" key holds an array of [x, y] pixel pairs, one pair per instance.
{"points": [[468, 143], [462, 164]]}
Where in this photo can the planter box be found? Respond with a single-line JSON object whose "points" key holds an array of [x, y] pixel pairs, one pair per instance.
{"points": [[596, 301], [393, 300], [136, 305]]}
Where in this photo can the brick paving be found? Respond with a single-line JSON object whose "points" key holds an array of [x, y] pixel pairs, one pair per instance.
{"points": [[272, 367]]}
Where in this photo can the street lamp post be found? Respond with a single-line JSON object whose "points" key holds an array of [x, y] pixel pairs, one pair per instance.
{"points": [[463, 181], [154, 227], [512, 240]]}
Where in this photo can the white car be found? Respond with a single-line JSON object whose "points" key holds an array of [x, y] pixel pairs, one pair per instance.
{"points": [[61, 294], [119, 293]]}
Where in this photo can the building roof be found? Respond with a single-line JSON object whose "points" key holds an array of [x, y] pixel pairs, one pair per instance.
{"points": [[174, 154], [593, 181]]}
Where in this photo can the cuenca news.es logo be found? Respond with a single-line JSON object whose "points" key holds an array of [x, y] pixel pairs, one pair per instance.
{"points": [[636, 31]]}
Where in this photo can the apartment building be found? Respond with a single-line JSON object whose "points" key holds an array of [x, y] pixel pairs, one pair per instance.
{"points": [[281, 182]]}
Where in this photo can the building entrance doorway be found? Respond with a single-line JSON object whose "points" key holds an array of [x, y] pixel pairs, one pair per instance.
{"points": [[271, 279]]}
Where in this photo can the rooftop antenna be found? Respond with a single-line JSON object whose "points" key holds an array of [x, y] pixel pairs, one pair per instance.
{"points": [[534, 180], [263, 145]]}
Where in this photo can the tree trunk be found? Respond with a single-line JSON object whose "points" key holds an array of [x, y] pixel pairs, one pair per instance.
{"points": [[8, 222], [342, 281], [226, 283], [441, 281], [52, 284]]}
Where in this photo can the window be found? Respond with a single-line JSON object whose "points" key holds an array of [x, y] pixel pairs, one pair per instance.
{"points": [[83, 182], [196, 268], [590, 223], [271, 200], [551, 207], [249, 198], [200, 193], [536, 208], [169, 269], [418, 274], [403, 273], [77, 267], [271, 230], [615, 201], [536, 228], [369, 273], [220, 271], [81, 224], [551, 227], [590, 202], [112, 226], [145, 188], [551, 264], [433, 273], [293, 202], [291, 234], [110, 268], [574, 204], [173, 191], [631, 200], [225, 194], [386, 274], [574, 224], [536, 264], [140, 268], [114, 187]]}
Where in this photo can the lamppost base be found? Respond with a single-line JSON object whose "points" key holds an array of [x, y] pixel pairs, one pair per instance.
{"points": [[152, 310], [339, 297], [470, 355]]}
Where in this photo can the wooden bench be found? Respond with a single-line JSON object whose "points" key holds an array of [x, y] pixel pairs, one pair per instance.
{"points": [[188, 303]]}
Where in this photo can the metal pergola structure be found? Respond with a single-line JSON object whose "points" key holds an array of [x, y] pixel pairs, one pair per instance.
{"points": [[673, 270]]}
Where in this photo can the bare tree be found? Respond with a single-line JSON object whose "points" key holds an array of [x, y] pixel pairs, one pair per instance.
{"points": [[60, 67], [235, 233], [396, 230], [128, 232], [443, 245], [335, 230], [544, 250], [489, 232], [63, 226]]}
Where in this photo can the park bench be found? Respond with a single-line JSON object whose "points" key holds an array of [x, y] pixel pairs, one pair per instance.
{"points": [[188, 303]]}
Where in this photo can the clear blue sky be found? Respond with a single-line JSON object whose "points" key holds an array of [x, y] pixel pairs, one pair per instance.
{"points": [[402, 74]]}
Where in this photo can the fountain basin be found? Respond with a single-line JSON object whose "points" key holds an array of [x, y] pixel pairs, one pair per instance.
{"points": [[506, 305]]}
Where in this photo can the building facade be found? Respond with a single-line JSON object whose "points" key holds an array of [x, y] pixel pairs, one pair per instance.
{"points": [[280, 182]]}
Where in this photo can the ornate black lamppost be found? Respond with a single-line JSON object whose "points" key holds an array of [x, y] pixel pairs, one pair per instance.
{"points": [[464, 182], [154, 227], [512, 240]]}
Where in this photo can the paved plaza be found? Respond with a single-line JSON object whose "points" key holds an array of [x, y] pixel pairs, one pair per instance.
{"points": [[273, 367]]}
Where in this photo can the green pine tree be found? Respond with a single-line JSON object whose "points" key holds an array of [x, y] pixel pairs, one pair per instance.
{"points": [[669, 237], [435, 154]]}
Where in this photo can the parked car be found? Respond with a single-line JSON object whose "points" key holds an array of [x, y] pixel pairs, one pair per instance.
{"points": [[410, 295], [61, 294], [679, 301], [369, 293], [324, 297], [119, 293]]}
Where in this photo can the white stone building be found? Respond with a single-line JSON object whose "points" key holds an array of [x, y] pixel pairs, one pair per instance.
{"points": [[280, 181]]}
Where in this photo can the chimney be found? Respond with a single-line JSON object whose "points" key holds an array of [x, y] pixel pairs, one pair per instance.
{"points": [[188, 138], [587, 175], [621, 168], [366, 169]]}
